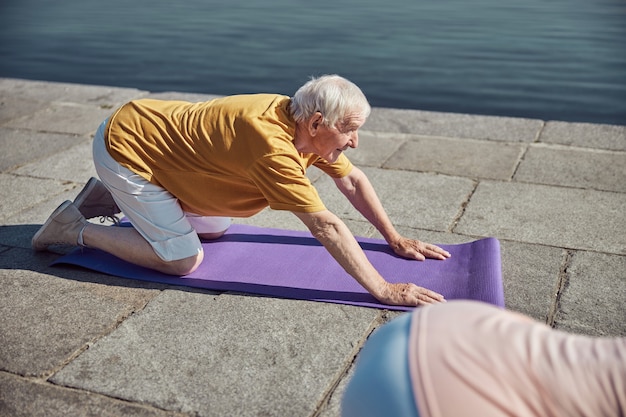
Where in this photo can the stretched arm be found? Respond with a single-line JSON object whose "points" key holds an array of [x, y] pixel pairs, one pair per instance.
{"points": [[341, 244], [361, 194]]}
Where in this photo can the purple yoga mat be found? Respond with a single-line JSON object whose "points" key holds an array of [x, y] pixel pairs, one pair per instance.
{"points": [[293, 264]]}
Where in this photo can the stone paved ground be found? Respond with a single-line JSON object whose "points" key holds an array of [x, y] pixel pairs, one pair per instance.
{"points": [[79, 343]]}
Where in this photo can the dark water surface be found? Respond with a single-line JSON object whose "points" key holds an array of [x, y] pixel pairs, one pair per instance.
{"points": [[546, 59]]}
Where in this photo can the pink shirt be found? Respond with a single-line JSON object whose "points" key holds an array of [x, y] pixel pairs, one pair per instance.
{"points": [[492, 363]]}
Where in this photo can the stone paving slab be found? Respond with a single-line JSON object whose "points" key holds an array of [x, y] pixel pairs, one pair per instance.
{"points": [[592, 300], [227, 355], [412, 199], [47, 91], [15, 107], [19, 193], [173, 95], [554, 216], [458, 157], [17, 229], [586, 135], [573, 167], [531, 274], [66, 166], [51, 318], [19, 147], [21, 397], [452, 125], [63, 118], [375, 148], [332, 407]]}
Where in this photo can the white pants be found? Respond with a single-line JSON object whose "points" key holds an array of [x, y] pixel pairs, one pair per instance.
{"points": [[153, 211]]}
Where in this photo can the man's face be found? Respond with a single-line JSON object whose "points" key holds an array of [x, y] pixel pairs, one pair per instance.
{"points": [[332, 141]]}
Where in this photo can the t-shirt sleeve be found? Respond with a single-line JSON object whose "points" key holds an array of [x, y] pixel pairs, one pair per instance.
{"points": [[340, 168], [282, 180]]}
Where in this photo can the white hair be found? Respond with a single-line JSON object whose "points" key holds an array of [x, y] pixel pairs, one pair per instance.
{"points": [[333, 96]]}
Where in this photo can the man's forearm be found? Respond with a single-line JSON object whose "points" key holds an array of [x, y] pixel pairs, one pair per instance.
{"points": [[338, 240], [361, 194], [331, 232]]}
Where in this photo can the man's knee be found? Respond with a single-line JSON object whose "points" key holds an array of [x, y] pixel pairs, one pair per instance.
{"points": [[183, 266]]}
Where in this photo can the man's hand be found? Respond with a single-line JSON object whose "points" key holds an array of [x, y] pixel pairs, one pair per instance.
{"points": [[414, 249], [408, 295], [341, 244]]}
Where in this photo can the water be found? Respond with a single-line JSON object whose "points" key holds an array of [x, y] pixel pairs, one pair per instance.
{"points": [[546, 59]]}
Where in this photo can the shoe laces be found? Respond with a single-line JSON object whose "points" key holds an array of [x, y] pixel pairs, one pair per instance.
{"points": [[113, 219]]}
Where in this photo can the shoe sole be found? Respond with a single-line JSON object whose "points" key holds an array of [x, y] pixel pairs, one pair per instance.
{"points": [[80, 198], [42, 229]]}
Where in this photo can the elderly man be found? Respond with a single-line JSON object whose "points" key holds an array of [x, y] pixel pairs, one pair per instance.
{"points": [[179, 171]]}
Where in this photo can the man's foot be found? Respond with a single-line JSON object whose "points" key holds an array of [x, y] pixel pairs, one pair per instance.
{"points": [[95, 200], [62, 228]]}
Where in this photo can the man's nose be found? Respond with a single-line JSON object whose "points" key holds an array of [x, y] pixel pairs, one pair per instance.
{"points": [[354, 141]]}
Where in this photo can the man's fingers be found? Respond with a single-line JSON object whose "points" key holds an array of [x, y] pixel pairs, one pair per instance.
{"points": [[425, 296], [417, 250], [435, 252], [430, 297], [409, 294]]}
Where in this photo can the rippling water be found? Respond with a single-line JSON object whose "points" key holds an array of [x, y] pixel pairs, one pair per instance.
{"points": [[547, 59]]}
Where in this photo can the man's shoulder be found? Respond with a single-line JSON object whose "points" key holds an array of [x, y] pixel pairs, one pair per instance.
{"points": [[252, 103]]}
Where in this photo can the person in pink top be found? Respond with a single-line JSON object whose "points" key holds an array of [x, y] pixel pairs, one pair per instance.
{"points": [[466, 358]]}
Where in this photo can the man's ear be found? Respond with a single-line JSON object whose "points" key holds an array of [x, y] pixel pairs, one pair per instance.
{"points": [[315, 122]]}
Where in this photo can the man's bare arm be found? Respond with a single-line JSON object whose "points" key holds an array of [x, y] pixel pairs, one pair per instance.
{"points": [[341, 244], [361, 194]]}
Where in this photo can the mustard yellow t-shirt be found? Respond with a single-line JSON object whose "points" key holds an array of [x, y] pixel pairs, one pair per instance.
{"points": [[231, 156]]}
